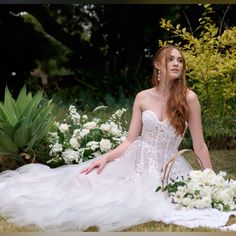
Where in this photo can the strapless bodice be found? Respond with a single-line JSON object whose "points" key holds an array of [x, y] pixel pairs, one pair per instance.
{"points": [[159, 134]]}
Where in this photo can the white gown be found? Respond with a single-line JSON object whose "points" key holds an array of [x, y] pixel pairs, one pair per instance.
{"points": [[122, 195]]}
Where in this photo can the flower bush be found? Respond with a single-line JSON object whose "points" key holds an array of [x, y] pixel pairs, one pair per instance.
{"points": [[203, 189], [79, 138]]}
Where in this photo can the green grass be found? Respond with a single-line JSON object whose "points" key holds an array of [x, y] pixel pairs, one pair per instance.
{"points": [[224, 160]]}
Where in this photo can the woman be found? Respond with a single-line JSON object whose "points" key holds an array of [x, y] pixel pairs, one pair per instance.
{"points": [[116, 190], [169, 100]]}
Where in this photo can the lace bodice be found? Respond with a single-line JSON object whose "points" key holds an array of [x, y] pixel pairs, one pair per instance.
{"points": [[154, 148], [159, 134]]}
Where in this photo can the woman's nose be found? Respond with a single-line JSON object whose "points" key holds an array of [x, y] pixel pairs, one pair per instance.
{"points": [[176, 62]]}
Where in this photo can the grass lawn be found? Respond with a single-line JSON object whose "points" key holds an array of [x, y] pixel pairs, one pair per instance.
{"points": [[224, 160]]}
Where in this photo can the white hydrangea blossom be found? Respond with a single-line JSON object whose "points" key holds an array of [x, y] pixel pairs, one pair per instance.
{"points": [[76, 133], [53, 137], [63, 128], [90, 125], [70, 155], [105, 145], [93, 145], [105, 127], [74, 143], [84, 132], [55, 148]]}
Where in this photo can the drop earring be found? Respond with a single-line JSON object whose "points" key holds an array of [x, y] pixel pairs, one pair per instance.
{"points": [[158, 75]]}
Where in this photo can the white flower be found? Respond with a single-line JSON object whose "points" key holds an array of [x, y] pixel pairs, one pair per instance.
{"points": [[72, 108], [90, 125], [56, 124], [93, 145], [96, 154], [84, 117], [186, 201], [70, 155], [205, 189], [54, 134], [75, 116], [70, 142], [202, 203], [115, 131], [63, 127], [55, 148], [84, 132], [105, 127], [122, 138], [222, 173], [105, 145], [53, 137], [218, 180], [74, 143], [76, 133], [225, 195], [118, 114]]}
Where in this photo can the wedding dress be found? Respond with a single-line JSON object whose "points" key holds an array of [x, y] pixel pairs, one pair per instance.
{"points": [[122, 195]]}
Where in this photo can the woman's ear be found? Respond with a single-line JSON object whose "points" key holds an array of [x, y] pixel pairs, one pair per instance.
{"points": [[156, 65]]}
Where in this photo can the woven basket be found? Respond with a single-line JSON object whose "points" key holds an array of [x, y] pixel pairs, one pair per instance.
{"points": [[170, 163]]}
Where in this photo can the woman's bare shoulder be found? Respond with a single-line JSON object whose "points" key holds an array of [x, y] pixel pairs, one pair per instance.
{"points": [[191, 97], [144, 93]]}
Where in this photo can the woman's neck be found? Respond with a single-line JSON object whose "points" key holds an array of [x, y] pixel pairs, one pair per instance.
{"points": [[164, 88]]}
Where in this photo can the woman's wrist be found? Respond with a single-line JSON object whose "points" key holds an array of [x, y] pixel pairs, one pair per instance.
{"points": [[105, 157]]}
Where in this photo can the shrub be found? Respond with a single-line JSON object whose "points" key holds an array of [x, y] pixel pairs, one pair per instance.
{"points": [[211, 60], [23, 122]]}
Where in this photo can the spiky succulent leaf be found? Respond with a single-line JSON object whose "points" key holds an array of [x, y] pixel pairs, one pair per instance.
{"points": [[7, 145], [10, 106], [22, 136]]}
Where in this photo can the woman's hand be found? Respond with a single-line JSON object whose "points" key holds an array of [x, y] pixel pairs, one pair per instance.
{"points": [[97, 164]]}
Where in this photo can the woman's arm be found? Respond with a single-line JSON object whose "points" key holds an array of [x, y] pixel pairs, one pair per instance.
{"points": [[195, 127], [133, 132]]}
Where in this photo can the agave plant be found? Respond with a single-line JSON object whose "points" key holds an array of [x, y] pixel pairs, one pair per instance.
{"points": [[23, 122]]}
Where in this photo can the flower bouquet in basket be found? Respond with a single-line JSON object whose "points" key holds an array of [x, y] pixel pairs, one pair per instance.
{"points": [[81, 137], [202, 189]]}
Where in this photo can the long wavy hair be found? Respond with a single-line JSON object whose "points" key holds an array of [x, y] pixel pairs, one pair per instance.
{"points": [[177, 106]]}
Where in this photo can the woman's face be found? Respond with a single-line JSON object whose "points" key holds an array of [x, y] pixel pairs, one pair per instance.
{"points": [[171, 65]]}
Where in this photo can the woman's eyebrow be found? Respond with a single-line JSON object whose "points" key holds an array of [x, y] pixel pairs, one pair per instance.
{"points": [[174, 56]]}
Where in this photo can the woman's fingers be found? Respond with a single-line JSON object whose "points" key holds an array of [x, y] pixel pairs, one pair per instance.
{"points": [[86, 170], [101, 167], [89, 169]]}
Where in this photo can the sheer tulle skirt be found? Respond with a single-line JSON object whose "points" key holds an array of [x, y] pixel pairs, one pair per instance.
{"points": [[63, 199], [122, 195]]}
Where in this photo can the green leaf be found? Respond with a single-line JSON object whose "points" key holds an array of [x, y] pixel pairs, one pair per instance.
{"points": [[6, 115], [32, 105], [22, 100], [22, 136], [8, 144]]}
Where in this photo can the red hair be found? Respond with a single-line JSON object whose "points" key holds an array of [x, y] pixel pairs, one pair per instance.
{"points": [[177, 106]]}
